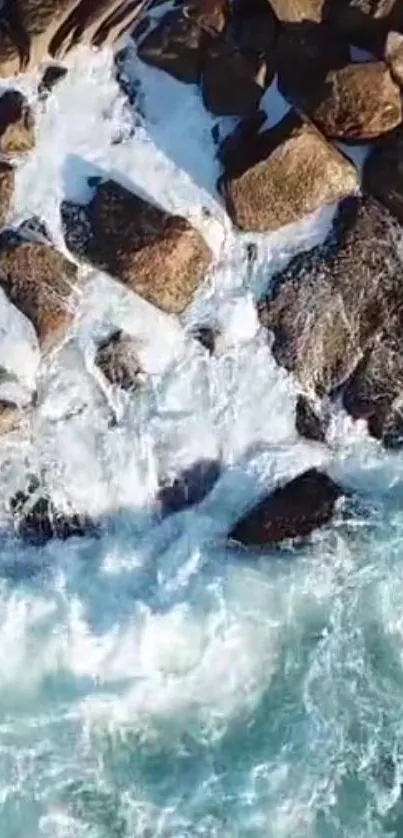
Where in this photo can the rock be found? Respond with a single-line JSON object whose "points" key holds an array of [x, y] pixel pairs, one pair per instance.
{"points": [[394, 56], [206, 336], [375, 388], [190, 487], [7, 179], [38, 280], [291, 511], [33, 30], [233, 82], [37, 521], [299, 11], [118, 360], [52, 75], [16, 124], [366, 22], [282, 174], [254, 28], [358, 102], [304, 55], [10, 417], [307, 422], [177, 43], [332, 306], [158, 255], [383, 173]]}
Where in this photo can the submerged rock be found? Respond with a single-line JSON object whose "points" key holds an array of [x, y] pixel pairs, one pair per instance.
{"points": [[39, 281], [277, 176], [291, 511], [333, 305], [158, 255], [190, 487], [118, 360], [16, 123], [207, 336], [37, 521]]}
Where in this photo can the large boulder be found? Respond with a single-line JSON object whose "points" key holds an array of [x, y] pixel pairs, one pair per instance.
{"points": [[39, 281], [158, 255], [31, 30], [383, 173], [366, 22], [16, 124], [118, 361], [254, 28], [233, 82], [333, 305], [177, 43], [358, 102], [276, 177], [304, 55], [291, 511]]}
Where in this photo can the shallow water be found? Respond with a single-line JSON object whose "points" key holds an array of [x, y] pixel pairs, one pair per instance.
{"points": [[155, 681]]}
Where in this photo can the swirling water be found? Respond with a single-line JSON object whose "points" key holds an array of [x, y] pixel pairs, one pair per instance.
{"points": [[153, 680]]}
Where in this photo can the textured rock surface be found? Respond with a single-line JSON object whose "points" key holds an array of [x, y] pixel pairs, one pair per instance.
{"points": [[383, 173], [358, 102], [38, 280], [307, 422], [394, 56], [118, 360], [332, 306], [10, 417], [158, 255], [7, 178], [16, 123], [278, 176], [291, 511], [298, 11]]}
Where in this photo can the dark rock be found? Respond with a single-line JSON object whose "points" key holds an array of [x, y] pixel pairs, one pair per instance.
{"points": [[282, 174], [232, 81], [305, 54], [39, 281], [374, 389], [383, 173], [118, 360], [333, 305], [291, 511], [52, 75], [307, 422], [190, 487], [37, 521], [232, 151], [358, 102], [158, 255], [365, 22], [16, 123], [177, 43], [206, 336], [254, 28]]}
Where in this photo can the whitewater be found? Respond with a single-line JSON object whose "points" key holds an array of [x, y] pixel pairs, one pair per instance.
{"points": [[154, 680]]}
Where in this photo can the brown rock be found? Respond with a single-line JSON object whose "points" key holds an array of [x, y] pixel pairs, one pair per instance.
{"points": [[366, 22], [10, 417], [394, 56], [280, 175], [7, 178], [299, 11], [307, 422], [291, 511], [383, 173], [233, 82], [38, 280], [304, 55], [177, 43], [359, 102], [158, 255], [332, 306], [118, 360], [16, 123]]}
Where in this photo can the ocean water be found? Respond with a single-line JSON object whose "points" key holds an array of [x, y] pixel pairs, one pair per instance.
{"points": [[155, 681]]}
